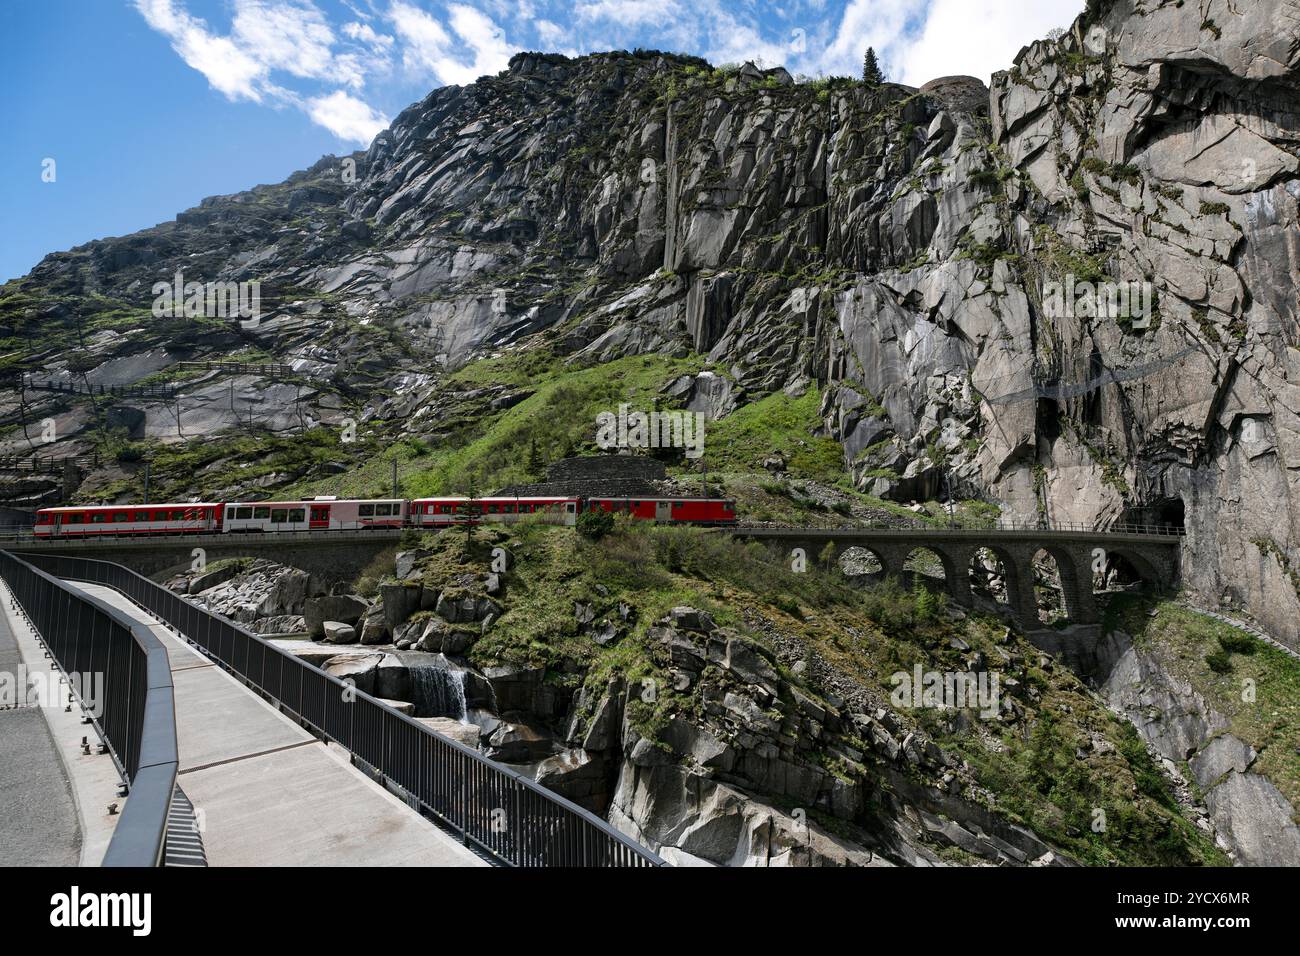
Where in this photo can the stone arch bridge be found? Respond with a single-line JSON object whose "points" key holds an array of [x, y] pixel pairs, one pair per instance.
{"points": [[340, 555], [1152, 553]]}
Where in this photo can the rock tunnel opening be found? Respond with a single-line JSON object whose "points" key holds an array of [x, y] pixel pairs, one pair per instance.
{"points": [[1168, 512]]}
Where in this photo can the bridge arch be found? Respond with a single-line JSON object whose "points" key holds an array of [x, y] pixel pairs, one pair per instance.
{"points": [[861, 560], [929, 562], [1123, 568], [1063, 577], [989, 571]]}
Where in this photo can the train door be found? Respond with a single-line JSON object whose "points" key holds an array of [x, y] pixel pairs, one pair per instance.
{"points": [[320, 516], [571, 513], [58, 523], [663, 511]]}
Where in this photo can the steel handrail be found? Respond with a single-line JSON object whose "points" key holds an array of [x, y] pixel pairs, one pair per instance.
{"points": [[137, 721], [509, 816]]}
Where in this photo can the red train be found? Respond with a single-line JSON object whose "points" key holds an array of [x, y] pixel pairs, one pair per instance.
{"points": [[322, 514]]}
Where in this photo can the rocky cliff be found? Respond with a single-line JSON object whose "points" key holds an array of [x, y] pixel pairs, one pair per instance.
{"points": [[890, 246]]}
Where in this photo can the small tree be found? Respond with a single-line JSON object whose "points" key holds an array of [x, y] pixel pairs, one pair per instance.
{"points": [[872, 75], [595, 524], [827, 555], [471, 512], [926, 604], [535, 464]]}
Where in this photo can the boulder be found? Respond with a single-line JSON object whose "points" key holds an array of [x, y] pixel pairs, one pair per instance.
{"points": [[691, 619], [579, 776], [393, 679], [336, 632], [210, 579], [344, 608], [360, 669], [407, 563], [374, 627], [462, 733], [399, 602], [520, 740]]}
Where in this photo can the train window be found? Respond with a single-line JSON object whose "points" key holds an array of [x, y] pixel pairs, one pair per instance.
{"points": [[492, 509], [230, 514], [243, 514], [121, 517], [141, 516], [297, 515], [178, 515], [73, 519], [98, 517], [383, 511], [279, 515], [261, 514], [366, 511]]}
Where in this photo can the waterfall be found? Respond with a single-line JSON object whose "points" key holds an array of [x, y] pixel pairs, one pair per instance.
{"points": [[438, 692]]}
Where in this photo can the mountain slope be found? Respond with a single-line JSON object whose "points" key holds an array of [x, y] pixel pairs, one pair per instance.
{"points": [[887, 245]]}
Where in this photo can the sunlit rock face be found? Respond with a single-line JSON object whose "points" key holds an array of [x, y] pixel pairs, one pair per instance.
{"points": [[905, 250]]}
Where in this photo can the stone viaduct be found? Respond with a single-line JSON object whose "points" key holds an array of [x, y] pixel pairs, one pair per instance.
{"points": [[341, 555], [1153, 556]]}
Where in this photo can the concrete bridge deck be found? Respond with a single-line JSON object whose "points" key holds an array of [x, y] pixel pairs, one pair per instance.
{"points": [[267, 792]]}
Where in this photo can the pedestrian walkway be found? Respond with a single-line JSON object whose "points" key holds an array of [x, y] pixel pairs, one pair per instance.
{"points": [[265, 792]]}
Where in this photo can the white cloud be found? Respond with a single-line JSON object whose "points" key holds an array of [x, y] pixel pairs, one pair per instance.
{"points": [[866, 23], [977, 37], [364, 33], [229, 69], [629, 12], [430, 48], [346, 117], [289, 36]]}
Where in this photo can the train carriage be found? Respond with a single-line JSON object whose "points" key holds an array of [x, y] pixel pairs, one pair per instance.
{"points": [[437, 512], [85, 521], [314, 514], [709, 511]]}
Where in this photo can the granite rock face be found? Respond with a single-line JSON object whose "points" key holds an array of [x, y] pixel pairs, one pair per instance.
{"points": [[896, 247]]}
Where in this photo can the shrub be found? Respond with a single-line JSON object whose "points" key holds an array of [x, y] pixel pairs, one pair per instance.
{"points": [[594, 525], [1236, 643], [1219, 662]]}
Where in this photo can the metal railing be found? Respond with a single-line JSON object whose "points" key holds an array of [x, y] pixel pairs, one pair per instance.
{"points": [[136, 715], [906, 525], [23, 537], [516, 820]]}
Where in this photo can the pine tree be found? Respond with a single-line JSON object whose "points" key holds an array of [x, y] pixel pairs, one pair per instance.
{"points": [[535, 465], [872, 75]]}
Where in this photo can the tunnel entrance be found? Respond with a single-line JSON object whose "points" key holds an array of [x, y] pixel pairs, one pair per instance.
{"points": [[1160, 512]]}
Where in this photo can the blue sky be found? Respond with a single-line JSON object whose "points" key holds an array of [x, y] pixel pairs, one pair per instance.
{"points": [[117, 114]]}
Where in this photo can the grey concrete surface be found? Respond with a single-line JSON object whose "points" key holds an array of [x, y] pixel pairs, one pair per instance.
{"points": [[38, 816], [91, 779]]}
